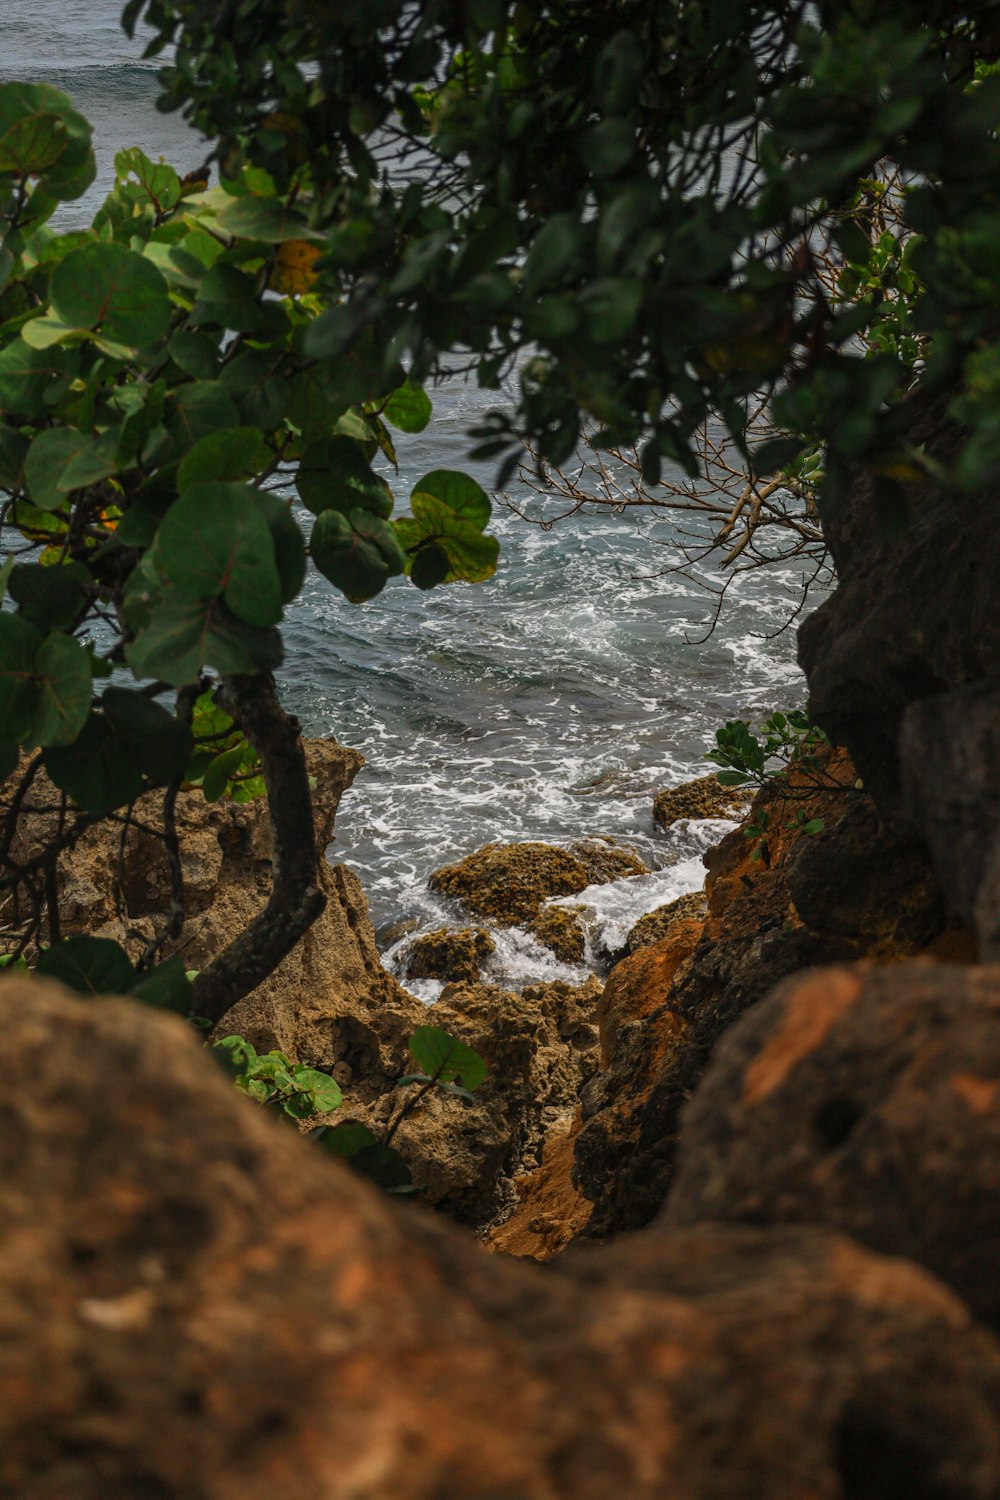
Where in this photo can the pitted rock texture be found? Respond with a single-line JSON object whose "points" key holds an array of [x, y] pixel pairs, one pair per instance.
{"points": [[657, 925], [560, 930], [196, 1305], [701, 798], [866, 1099], [852, 891], [509, 883], [455, 954]]}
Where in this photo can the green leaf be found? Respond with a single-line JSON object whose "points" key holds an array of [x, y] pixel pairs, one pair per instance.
{"points": [[195, 353], [62, 459], [382, 1165], [228, 298], [25, 376], [184, 636], [166, 987], [323, 1090], [611, 308], [157, 184], [445, 1058], [234, 453], [264, 219], [289, 543], [472, 556], [335, 475], [114, 290], [214, 541], [198, 410], [408, 408], [459, 492], [32, 144], [358, 553], [50, 597], [64, 687], [159, 743], [608, 147], [554, 248], [732, 778], [430, 567], [19, 645], [345, 1139], [91, 966], [97, 770]]}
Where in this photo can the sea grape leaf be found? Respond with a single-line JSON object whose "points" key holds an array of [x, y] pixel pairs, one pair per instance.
{"points": [[358, 553], [264, 219], [228, 297], [32, 144], [335, 475], [198, 410], [166, 987], [64, 686], [196, 353], [289, 543], [184, 636], [345, 1139], [214, 541], [408, 408], [113, 289], [445, 1058], [430, 567], [89, 965], [156, 182], [233, 453], [98, 770], [382, 1165], [459, 492], [49, 597], [63, 459], [471, 555], [19, 645], [158, 742], [25, 376], [322, 1092]]}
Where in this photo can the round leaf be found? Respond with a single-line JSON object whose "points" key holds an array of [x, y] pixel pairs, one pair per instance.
{"points": [[408, 408], [91, 966], [335, 475], [97, 770], [183, 636], [214, 541], [234, 453], [115, 290], [430, 567], [19, 645], [459, 492], [445, 1058], [382, 1165], [63, 676]]}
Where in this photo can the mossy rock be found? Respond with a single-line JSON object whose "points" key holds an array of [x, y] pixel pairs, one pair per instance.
{"points": [[561, 931], [449, 954], [509, 883], [703, 798], [656, 925]]}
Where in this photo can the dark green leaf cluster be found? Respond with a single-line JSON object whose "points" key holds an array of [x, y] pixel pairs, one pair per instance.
{"points": [[642, 193]]}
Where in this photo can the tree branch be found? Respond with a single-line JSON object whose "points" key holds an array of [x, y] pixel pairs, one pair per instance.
{"points": [[296, 900]]}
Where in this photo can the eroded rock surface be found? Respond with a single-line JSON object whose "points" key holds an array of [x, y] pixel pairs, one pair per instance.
{"points": [[658, 924], [455, 954], [701, 798], [866, 1099], [509, 883], [852, 891], [196, 1305]]}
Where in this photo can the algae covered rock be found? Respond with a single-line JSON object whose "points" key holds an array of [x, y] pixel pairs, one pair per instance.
{"points": [[656, 925], [449, 954], [702, 798], [560, 930], [509, 883]]}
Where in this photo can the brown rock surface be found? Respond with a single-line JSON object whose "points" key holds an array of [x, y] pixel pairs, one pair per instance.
{"points": [[866, 1099], [560, 929], [852, 891], [196, 1305], [701, 798], [509, 883], [540, 1048], [550, 1212], [455, 954], [656, 925]]}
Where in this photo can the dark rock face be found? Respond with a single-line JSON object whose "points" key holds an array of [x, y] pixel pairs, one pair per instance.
{"points": [[950, 764], [196, 1305], [852, 891], [868, 1100], [914, 613]]}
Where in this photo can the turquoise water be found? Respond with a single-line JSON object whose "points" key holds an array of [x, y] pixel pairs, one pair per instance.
{"points": [[548, 703]]}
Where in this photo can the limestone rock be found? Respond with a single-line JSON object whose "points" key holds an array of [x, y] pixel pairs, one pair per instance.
{"points": [[866, 1099], [701, 798], [455, 954], [508, 883], [559, 929], [195, 1303], [657, 925], [854, 890], [549, 1212]]}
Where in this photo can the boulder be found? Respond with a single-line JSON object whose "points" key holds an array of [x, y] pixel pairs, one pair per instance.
{"points": [[559, 929], [455, 954], [509, 883], [702, 798], [866, 1099], [195, 1303], [658, 924], [854, 890]]}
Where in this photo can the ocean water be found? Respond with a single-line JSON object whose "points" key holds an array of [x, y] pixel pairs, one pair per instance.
{"points": [[551, 702]]}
